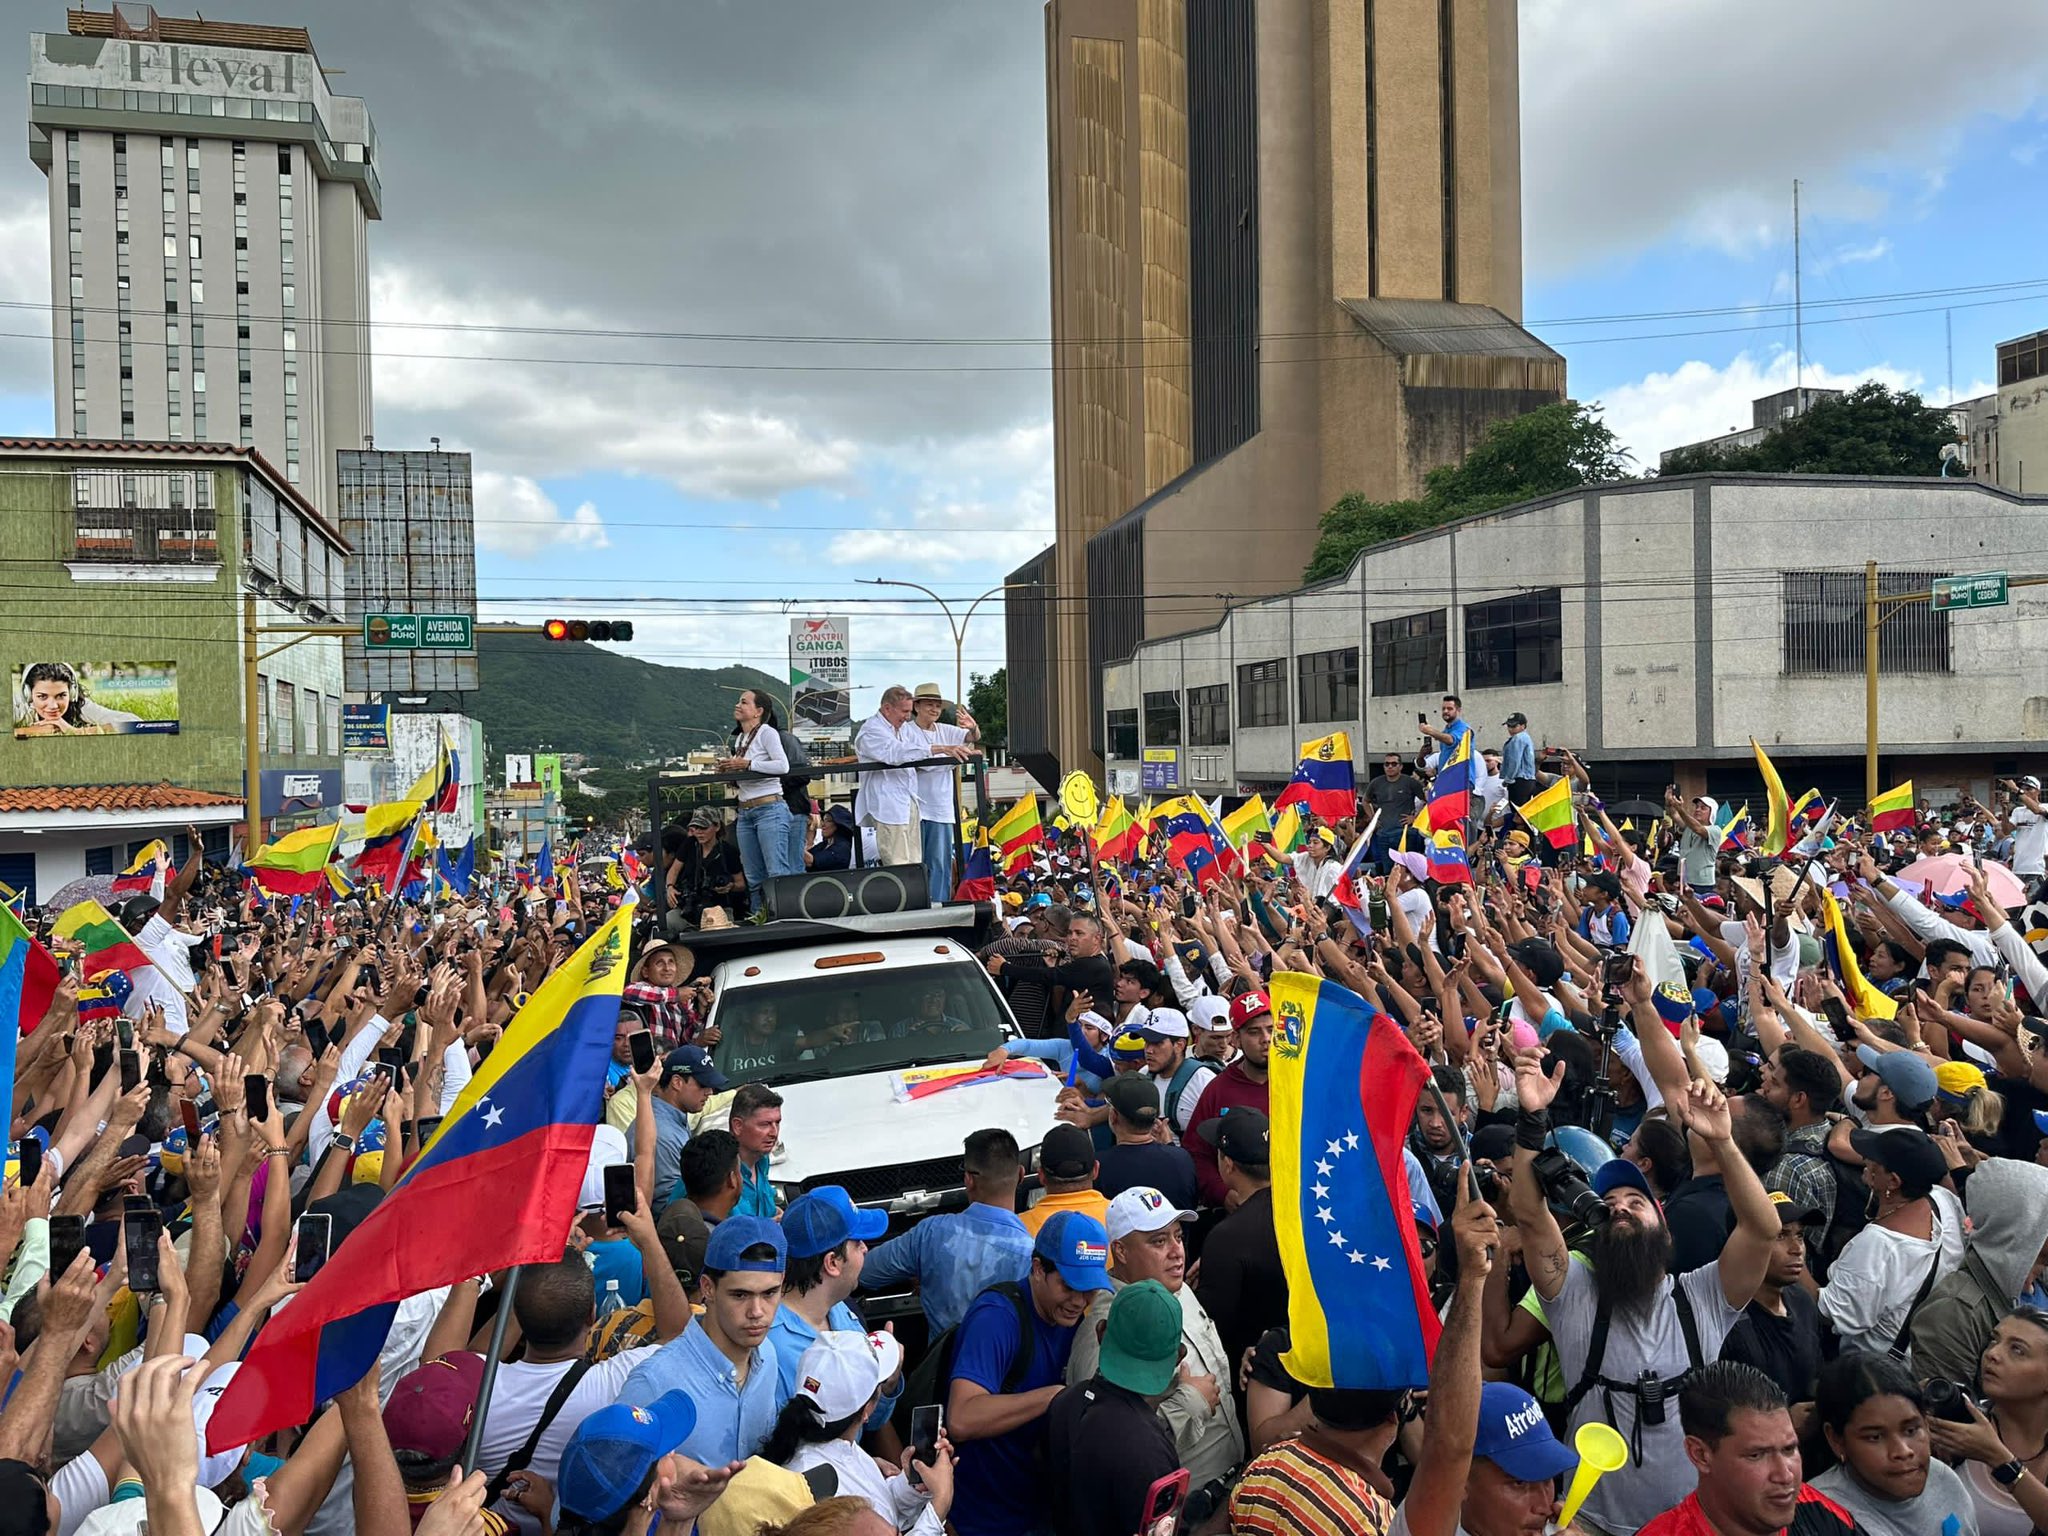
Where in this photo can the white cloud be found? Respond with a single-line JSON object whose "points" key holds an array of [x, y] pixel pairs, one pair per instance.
{"points": [[514, 516], [1853, 255], [540, 415], [25, 287], [981, 500], [1644, 123], [1697, 400]]}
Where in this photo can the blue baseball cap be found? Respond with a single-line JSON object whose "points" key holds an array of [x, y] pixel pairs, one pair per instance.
{"points": [[732, 1237], [2041, 1120], [1620, 1173], [1515, 1437], [822, 1219], [1077, 1245], [609, 1457], [1039, 900], [693, 1061]]}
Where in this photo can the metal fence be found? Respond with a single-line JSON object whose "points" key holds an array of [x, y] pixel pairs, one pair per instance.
{"points": [[1823, 624]]}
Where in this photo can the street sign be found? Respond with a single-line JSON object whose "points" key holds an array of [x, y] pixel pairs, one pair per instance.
{"points": [[1985, 591], [419, 632]]}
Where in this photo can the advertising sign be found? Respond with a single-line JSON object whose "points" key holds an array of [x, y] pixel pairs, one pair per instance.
{"points": [[296, 791], [1159, 768], [821, 679], [519, 768], [366, 727], [95, 698], [547, 767]]}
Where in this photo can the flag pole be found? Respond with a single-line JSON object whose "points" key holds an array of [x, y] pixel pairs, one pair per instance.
{"points": [[474, 1444]]}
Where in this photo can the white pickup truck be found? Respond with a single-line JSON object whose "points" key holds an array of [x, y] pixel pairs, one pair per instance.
{"points": [[829, 1015]]}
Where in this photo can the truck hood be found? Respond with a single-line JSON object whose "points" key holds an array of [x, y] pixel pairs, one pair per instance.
{"points": [[836, 1126]]}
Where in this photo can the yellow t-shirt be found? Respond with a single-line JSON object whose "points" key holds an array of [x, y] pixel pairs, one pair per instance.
{"points": [[1087, 1200]]}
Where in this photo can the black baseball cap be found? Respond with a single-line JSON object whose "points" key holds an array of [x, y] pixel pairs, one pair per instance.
{"points": [[1134, 1096], [1517, 718], [1905, 1150], [1242, 1135], [1068, 1152]]}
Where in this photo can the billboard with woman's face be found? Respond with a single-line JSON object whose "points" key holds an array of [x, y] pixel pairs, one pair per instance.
{"points": [[95, 698]]}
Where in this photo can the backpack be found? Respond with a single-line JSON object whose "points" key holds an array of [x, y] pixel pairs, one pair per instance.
{"points": [[1178, 1083], [1657, 1393], [1850, 1215], [926, 1383]]}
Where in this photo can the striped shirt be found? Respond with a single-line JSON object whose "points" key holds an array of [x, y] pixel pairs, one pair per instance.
{"points": [[1300, 1489]]}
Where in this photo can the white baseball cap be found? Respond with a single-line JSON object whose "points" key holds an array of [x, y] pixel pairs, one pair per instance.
{"points": [[1210, 1013], [1713, 1056], [607, 1146], [844, 1369], [1167, 1023], [1140, 1209]]}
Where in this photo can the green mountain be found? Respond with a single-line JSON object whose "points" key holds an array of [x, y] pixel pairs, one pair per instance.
{"points": [[583, 698]]}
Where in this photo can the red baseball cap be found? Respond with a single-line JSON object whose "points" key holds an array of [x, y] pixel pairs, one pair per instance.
{"points": [[432, 1405], [1247, 1006]]}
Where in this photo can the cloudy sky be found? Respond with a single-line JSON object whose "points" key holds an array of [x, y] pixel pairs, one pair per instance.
{"points": [[609, 231]]}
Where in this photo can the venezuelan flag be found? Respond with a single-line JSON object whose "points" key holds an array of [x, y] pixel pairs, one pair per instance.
{"points": [[1551, 814], [1774, 793], [1892, 811], [978, 874], [388, 831], [105, 996], [439, 789], [1807, 809], [146, 874], [1346, 893], [496, 1186], [1323, 779], [1445, 853], [1738, 831], [106, 943], [1864, 999], [1194, 843], [296, 863], [1343, 1082], [1016, 832], [1450, 793]]}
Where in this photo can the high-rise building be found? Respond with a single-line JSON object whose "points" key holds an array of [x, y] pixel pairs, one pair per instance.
{"points": [[1286, 266], [209, 248]]}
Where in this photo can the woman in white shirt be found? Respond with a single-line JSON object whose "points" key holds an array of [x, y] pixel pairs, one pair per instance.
{"points": [[765, 843], [841, 1377]]}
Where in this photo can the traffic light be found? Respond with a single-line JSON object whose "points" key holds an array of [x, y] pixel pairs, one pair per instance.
{"points": [[588, 629]]}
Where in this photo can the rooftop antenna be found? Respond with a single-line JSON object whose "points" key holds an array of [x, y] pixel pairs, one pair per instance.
{"points": [[1798, 312]]}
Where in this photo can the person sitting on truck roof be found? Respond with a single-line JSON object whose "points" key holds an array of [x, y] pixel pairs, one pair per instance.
{"points": [[956, 1255]]}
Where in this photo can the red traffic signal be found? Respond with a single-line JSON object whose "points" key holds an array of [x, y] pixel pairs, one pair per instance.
{"points": [[588, 629]]}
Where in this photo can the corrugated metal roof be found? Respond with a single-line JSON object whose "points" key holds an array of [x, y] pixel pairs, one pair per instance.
{"points": [[1409, 326]]}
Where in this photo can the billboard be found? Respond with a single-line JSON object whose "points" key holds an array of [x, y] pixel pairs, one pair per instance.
{"points": [[95, 698], [366, 727], [410, 522], [821, 680], [547, 767]]}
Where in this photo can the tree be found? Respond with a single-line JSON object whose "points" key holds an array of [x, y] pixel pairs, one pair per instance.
{"points": [[988, 700], [1549, 450], [1871, 430]]}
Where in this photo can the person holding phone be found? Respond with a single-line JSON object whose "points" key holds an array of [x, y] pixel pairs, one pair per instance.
{"points": [[840, 1379]]}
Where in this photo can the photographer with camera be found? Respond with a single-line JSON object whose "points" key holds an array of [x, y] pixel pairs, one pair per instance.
{"points": [[1625, 1329]]}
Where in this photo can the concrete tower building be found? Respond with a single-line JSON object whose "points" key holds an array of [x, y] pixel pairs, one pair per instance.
{"points": [[1286, 265], [210, 201]]}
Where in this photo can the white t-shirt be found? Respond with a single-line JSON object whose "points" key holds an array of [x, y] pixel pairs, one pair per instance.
{"points": [[1871, 1285], [1320, 879], [521, 1392], [169, 977], [2029, 843]]}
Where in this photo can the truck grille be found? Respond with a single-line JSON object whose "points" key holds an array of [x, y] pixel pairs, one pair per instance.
{"points": [[878, 1186]]}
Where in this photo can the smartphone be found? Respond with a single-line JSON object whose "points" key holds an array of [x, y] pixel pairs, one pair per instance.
{"points": [[28, 1161], [141, 1226], [1162, 1503], [67, 1241], [315, 1235], [925, 1424], [1616, 970], [620, 1192], [1837, 1016], [131, 1070], [125, 1032], [317, 1038], [188, 1111], [643, 1050], [1421, 718], [256, 1096], [391, 1061]]}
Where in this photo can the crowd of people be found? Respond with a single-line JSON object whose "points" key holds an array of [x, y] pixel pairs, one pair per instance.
{"points": [[1779, 1224]]}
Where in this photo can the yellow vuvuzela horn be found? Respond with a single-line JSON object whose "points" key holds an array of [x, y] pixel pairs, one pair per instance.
{"points": [[1601, 1450]]}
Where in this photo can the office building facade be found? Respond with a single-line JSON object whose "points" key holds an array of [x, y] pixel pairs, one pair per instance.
{"points": [[210, 201], [1286, 266]]}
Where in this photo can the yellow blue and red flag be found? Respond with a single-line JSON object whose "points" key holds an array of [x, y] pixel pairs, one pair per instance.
{"points": [[146, 872], [1344, 1082], [496, 1186], [1445, 854], [1323, 779], [1450, 792], [1194, 843], [978, 872]]}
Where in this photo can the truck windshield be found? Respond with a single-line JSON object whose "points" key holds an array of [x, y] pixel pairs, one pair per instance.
{"points": [[843, 1024]]}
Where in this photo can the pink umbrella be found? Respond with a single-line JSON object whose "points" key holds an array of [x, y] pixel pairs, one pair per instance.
{"points": [[1946, 874]]}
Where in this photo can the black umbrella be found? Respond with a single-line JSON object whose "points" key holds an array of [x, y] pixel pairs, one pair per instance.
{"points": [[1636, 808]]}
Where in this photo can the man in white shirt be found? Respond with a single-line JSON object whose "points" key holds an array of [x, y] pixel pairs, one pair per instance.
{"points": [[936, 814], [153, 926], [887, 798], [2027, 820]]}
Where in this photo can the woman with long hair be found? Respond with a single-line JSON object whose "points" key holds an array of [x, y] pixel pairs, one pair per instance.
{"points": [[1875, 1417], [842, 1377], [756, 751], [2004, 1447], [621, 1474]]}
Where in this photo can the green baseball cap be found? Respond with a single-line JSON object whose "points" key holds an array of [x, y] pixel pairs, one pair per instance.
{"points": [[1141, 1343]]}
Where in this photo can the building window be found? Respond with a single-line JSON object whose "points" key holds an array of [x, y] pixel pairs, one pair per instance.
{"points": [[1162, 719], [1823, 624], [99, 861], [1209, 716], [1328, 685], [286, 704], [1121, 727], [1262, 693], [1515, 642], [1411, 654], [261, 704], [144, 516]]}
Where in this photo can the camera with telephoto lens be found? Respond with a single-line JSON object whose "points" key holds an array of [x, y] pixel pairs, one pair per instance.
{"points": [[1946, 1400], [1565, 1187]]}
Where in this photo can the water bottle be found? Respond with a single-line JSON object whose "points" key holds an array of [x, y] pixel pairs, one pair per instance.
{"points": [[611, 1301]]}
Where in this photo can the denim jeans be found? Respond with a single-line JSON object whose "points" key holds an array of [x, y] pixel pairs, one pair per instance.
{"points": [[799, 841], [937, 839], [764, 846]]}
